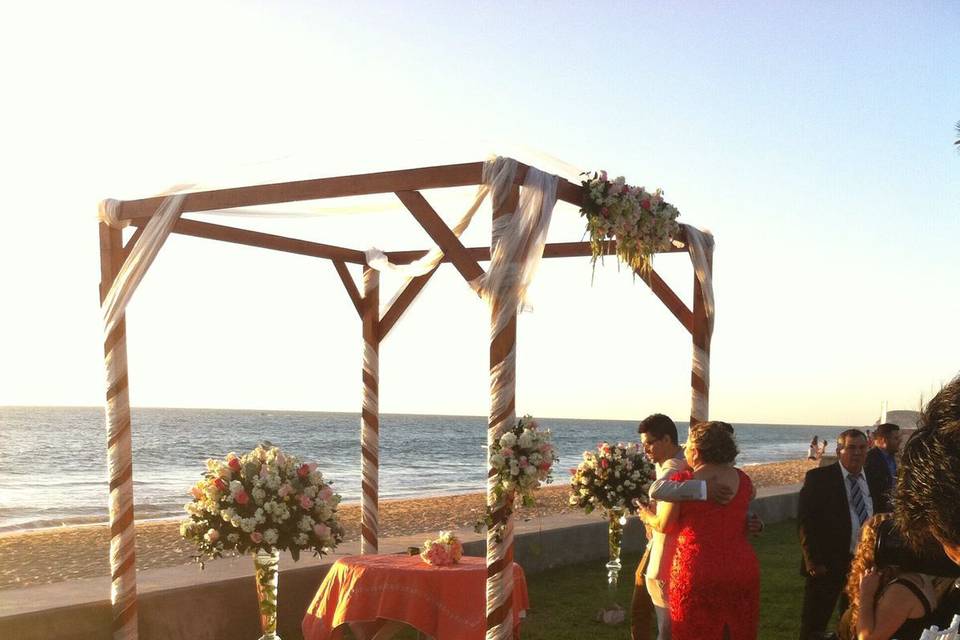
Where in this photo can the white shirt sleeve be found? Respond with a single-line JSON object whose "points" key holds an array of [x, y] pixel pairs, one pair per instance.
{"points": [[674, 490]]}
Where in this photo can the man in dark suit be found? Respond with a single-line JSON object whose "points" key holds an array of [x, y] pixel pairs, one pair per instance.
{"points": [[834, 502], [882, 462]]}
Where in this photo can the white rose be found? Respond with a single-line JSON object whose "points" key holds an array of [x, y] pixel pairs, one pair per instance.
{"points": [[497, 460], [526, 440], [259, 495], [271, 536], [508, 440]]}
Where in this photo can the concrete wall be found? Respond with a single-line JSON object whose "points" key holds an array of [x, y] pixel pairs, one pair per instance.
{"points": [[181, 602]]}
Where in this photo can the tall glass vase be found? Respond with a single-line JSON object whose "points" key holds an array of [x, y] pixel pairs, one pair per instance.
{"points": [[615, 541], [267, 565]]}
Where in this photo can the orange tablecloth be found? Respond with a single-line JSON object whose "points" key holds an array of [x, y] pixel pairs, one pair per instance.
{"points": [[442, 602]]}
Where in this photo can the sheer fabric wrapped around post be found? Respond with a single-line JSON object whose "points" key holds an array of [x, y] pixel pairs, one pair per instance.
{"points": [[370, 415], [520, 225], [700, 246], [122, 282]]}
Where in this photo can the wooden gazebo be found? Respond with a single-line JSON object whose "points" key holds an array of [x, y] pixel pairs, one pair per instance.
{"points": [[123, 264]]}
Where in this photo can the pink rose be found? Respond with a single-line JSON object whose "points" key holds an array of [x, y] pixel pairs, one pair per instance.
{"points": [[196, 492], [241, 498], [264, 471], [321, 530], [645, 205], [256, 537], [544, 466], [507, 452], [303, 471], [325, 494], [234, 463], [220, 484], [523, 462], [306, 502], [604, 463], [284, 490]]}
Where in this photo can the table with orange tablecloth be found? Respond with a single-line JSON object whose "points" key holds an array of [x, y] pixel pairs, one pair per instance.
{"points": [[443, 602]]}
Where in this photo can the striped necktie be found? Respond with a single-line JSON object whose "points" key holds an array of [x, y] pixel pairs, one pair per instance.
{"points": [[856, 497]]}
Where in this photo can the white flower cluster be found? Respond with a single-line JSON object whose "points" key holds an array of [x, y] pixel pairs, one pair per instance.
{"points": [[523, 458], [262, 500], [612, 477], [641, 223]]}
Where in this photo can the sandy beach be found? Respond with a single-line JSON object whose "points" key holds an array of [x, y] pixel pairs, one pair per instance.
{"points": [[52, 555]]}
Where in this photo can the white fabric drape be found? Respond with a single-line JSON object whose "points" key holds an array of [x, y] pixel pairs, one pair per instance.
{"points": [[154, 234], [701, 250]]}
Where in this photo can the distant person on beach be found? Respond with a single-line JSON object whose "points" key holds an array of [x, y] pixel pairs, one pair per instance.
{"points": [[658, 436], [823, 449], [813, 449], [714, 585], [835, 501], [882, 460], [886, 602], [928, 485]]}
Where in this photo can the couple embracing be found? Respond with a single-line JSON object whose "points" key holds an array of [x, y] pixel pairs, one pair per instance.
{"points": [[699, 570]]}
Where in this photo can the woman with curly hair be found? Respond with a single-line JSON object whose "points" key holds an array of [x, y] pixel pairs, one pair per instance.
{"points": [[884, 602], [715, 580]]}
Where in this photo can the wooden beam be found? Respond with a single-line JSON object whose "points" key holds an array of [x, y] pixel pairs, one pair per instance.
{"points": [[409, 293], [482, 254], [670, 299], [441, 234], [453, 175], [350, 285], [199, 229]]}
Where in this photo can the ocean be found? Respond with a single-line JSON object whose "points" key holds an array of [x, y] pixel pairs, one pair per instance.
{"points": [[53, 462]]}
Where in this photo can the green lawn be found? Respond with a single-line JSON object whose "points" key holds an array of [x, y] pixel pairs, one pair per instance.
{"points": [[563, 601]]}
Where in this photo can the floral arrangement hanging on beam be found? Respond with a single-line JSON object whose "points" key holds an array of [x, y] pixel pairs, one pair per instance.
{"points": [[638, 222]]}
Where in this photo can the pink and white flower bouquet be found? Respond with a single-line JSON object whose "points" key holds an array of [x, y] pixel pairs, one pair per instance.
{"points": [[265, 500], [446, 549], [523, 459], [612, 478], [641, 223]]}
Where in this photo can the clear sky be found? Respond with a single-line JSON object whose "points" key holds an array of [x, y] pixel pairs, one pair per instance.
{"points": [[814, 139]]}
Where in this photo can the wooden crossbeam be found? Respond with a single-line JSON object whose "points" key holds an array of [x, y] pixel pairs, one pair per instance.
{"points": [[199, 229], [552, 250], [453, 175], [350, 285], [409, 293], [669, 299], [441, 234]]}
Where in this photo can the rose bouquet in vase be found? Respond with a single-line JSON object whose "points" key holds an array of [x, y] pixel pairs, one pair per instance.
{"points": [[262, 503], [612, 478]]}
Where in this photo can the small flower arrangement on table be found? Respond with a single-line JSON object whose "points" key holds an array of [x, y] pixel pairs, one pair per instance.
{"points": [[445, 549], [641, 223]]}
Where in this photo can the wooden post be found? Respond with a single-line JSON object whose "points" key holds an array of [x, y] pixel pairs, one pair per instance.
{"points": [[370, 416], [123, 587], [503, 339], [702, 334]]}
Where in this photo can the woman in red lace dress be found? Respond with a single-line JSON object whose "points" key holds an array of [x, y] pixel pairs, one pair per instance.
{"points": [[714, 590]]}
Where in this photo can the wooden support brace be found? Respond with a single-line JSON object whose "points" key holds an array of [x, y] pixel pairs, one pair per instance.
{"points": [[441, 234], [400, 304], [350, 285], [670, 299]]}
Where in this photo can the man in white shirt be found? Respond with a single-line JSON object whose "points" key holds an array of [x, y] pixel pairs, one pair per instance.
{"points": [[658, 435]]}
